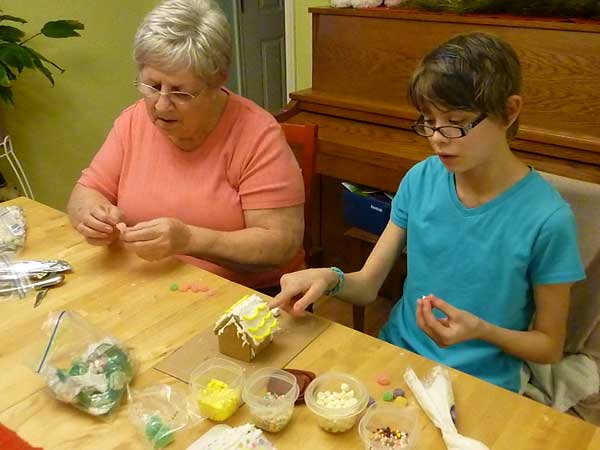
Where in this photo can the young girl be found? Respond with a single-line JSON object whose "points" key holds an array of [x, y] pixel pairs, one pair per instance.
{"points": [[489, 241]]}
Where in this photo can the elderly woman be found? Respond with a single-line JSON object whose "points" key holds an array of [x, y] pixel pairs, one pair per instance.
{"points": [[193, 169]]}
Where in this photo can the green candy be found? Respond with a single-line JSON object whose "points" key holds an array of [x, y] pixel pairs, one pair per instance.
{"points": [[388, 396], [152, 427], [78, 368], [62, 375], [164, 437], [158, 433], [174, 287]]}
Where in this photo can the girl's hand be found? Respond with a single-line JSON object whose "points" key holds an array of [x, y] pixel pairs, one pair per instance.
{"points": [[300, 289], [458, 325]]}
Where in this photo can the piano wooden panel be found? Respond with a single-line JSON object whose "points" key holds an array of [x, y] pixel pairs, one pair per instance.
{"points": [[362, 60]]}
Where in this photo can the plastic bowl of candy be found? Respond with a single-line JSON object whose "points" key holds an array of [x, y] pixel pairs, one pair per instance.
{"points": [[389, 427], [217, 385], [337, 399], [270, 394]]}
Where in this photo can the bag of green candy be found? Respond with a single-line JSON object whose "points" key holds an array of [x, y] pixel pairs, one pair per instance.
{"points": [[83, 366]]}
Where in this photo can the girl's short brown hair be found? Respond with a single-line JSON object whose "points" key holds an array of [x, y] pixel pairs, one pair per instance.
{"points": [[474, 72]]}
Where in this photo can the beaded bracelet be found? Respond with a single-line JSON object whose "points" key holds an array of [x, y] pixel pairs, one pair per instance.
{"points": [[338, 287]]}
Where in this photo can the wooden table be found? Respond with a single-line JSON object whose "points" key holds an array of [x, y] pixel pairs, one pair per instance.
{"points": [[130, 299]]}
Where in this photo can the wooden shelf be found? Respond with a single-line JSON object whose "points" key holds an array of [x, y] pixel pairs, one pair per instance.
{"points": [[361, 235]]}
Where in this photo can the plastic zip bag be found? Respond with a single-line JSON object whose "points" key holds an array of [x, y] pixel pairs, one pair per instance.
{"points": [[13, 229], [159, 412], [14, 284], [83, 366]]}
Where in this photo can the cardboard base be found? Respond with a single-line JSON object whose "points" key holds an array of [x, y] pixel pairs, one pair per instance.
{"points": [[294, 336]]}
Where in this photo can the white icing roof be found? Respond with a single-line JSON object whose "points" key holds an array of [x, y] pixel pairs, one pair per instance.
{"points": [[251, 316]]}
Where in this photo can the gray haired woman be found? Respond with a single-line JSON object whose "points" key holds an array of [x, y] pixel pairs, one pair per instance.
{"points": [[192, 169]]}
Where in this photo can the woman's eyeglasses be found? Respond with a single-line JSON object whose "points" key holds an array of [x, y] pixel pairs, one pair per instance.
{"points": [[177, 97]]}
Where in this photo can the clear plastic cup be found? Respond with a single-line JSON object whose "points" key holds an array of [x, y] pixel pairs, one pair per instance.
{"points": [[401, 423], [336, 418], [270, 394], [216, 386]]}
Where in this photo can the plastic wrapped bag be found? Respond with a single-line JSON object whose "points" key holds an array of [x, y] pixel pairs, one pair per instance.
{"points": [[14, 283], [19, 278], [435, 396], [13, 229], [159, 412], [83, 366]]}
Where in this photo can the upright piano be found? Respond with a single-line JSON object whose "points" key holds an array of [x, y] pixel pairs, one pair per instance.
{"points": [[362, 61]]}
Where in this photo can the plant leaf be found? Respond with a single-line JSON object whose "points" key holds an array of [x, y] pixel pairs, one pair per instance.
{"points": [[10, 73], [12, 18], [10, 34], [62, 28], [36, 58], [4, 80], [6, 95], [14, 55]]}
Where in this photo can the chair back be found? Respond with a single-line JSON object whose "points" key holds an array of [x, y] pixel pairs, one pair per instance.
{"points": [[302, 138], [583, 334]]}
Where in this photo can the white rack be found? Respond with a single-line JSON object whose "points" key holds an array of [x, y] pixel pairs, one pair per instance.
{"points": [[8, 152]]}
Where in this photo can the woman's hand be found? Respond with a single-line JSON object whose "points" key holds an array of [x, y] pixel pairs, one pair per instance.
{"points": [[458, 325], [300, 289], [98, 224], [157, 238]]}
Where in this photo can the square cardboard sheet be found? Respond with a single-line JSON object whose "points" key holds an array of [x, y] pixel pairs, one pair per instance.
{"points": [[295, 334]]}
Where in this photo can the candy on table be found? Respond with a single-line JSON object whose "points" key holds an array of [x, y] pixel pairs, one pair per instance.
{"points": [[383, 380], [371, 401], [158, 433], [388, 396], [185, 287], [398, 392], [217, 401], [400, 401], [389, 438]]}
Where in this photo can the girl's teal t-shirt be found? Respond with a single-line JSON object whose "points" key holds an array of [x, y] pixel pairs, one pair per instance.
{"points": [[485, 260]]}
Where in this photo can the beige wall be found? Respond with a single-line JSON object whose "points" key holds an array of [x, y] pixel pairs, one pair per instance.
{"points": [[56, 130], [303, 41]]}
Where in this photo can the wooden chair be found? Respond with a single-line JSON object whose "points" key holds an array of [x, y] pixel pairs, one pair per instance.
{"points": [[302, 138], [303, 141]]}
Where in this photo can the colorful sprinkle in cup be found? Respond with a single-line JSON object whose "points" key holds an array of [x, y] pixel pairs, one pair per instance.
{"points": [[388, 427], [270, 394]]}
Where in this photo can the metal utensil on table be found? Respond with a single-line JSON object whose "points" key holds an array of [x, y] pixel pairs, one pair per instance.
{"points": [[40, 296], [19, 286], [44, 285]]}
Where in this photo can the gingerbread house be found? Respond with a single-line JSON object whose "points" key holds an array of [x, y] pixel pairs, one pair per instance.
{"points": [[246, 328]]}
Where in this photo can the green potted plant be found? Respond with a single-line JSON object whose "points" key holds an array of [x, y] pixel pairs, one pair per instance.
{"points": [[15, 55]]}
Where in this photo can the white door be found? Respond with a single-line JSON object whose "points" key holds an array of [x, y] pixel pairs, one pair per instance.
{"points": [[262, 52]]}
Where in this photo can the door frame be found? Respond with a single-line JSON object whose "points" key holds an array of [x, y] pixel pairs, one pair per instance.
{"points": [[290, 47]]}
